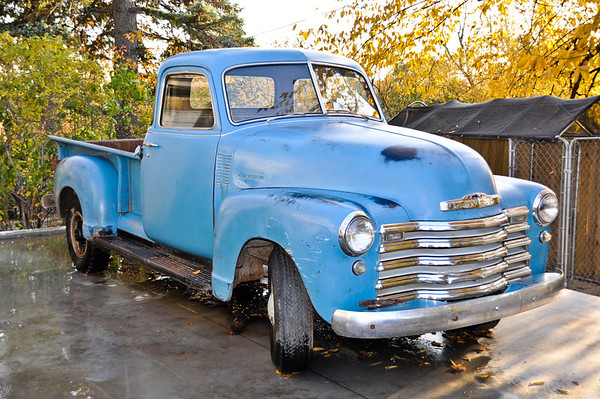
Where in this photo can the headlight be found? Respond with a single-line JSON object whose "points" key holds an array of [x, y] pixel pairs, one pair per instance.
{"points": [[356, 234], [545, 207]]}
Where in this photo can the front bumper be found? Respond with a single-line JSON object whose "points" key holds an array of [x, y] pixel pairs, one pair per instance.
{"points": [[527, 293]]}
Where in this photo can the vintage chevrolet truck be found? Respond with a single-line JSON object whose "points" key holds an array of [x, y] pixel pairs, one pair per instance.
{"points": [[278, 165]]}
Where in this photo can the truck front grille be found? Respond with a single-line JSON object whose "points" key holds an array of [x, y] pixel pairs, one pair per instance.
{"points": [[452, 260]]}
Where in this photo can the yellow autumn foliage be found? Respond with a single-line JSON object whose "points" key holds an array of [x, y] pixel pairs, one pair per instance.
{"points": [[435, 50]]}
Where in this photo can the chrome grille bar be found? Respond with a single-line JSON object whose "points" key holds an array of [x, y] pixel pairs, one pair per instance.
{"points": [[453, 260]]}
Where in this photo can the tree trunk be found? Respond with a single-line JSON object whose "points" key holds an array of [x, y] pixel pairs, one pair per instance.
{"points": [[125, 35]]}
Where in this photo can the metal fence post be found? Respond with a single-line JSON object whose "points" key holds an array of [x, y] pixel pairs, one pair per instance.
{"points": [[511, 158], [566, 196]]}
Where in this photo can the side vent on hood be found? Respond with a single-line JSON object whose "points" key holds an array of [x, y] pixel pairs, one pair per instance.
{"points": [[223, 170]]}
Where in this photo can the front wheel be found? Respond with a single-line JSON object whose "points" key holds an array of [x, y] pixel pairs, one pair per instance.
{"points": [[290, 314], [86, 257], [484, 326]]}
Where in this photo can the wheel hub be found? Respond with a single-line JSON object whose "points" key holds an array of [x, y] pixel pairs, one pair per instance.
{"points": [[271, 308]]}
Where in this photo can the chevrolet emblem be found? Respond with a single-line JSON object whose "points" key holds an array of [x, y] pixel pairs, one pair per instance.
{"points": [[470, 201]]}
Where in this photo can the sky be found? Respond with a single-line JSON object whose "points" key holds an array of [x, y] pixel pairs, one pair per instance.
{"points": [[272, 20]]}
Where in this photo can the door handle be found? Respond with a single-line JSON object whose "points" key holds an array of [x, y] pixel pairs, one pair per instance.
{"points": [[151, 145]]}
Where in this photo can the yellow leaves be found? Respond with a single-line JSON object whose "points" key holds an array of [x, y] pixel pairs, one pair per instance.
{"points": [[457, 367], [523, 61], [555, 71], [482, 349], [536, 383], [584, 70], [325, 352], [281, 373], [368, 354]]}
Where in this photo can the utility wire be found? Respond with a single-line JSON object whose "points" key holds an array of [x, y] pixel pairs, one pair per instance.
{"points": [[295, 23]]}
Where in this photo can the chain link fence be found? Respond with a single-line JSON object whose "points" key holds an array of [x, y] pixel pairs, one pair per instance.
{"points": [[569, 168]]}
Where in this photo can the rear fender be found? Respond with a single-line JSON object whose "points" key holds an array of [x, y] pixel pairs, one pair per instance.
{"points": [[94, 181]]}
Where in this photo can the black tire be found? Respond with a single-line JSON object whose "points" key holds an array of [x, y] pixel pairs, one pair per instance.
{"points": [[290, 314], [484, 326], [479, 327], [86, 257]]}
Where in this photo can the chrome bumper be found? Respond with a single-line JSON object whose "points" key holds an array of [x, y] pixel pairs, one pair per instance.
{"points": [[533, 291]]}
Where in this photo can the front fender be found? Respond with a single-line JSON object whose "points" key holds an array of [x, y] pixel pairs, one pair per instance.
{"points": [[306, 225], [94, 180], [517, 192]]}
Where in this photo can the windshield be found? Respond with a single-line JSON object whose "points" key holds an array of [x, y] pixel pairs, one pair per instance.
{"points": [[267, 91], [345, 90]]}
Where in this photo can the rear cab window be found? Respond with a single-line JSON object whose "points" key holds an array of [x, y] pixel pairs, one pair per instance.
{"points": [[187, 102]]}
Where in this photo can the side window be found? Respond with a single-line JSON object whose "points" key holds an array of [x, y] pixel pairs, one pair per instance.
{"points": [[186, 102]]}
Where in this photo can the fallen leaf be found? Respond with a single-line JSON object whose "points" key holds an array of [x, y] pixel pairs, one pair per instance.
{"points": [[375, 364], [197, 272], [189, 325], [390, 367], [334, 350], [425, 364], [318, 349], [457, 367], [537, 383], [468, 359], [367, 354], [180, 353], [287, 374], [485, 376], [575, 382], [481, 349], [403, 359], [437, 344], [563, 391]]}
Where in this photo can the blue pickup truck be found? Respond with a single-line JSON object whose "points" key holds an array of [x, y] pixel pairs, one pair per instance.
{"points": [[278, 165]]}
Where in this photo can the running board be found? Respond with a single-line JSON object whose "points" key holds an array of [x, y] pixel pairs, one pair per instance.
{"points": [[193, 274]]}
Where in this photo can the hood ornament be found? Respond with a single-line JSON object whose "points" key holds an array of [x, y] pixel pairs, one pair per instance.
{"points": [[470, 201]]}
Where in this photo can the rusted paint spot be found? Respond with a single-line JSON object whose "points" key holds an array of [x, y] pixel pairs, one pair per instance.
{"points": [[292, 198], [398, 153], [384, 202]]}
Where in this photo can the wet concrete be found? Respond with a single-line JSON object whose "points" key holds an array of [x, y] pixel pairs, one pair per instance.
{"points": [[128, 334]]}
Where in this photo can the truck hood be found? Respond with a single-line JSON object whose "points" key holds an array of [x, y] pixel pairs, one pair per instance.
{"points": [[414, 169]]}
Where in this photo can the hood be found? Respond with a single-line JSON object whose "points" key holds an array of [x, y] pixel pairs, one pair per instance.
{"points": [[414, 169]]}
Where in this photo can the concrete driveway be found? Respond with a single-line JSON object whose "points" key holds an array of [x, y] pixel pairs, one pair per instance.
{"points": [[126, 334]]}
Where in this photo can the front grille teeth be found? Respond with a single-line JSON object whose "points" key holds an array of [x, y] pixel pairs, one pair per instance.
{"points": [[452, 260]]}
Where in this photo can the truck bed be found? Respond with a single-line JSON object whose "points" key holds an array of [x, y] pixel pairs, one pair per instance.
{"points": [[121, 153], [120, 147]]}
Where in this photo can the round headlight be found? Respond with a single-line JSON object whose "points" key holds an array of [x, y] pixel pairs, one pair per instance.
{"points": [[356, 234], [545, 207]]}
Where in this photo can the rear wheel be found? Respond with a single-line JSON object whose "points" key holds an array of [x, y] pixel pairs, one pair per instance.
{"points": [[291, 315], [86, 257]]}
